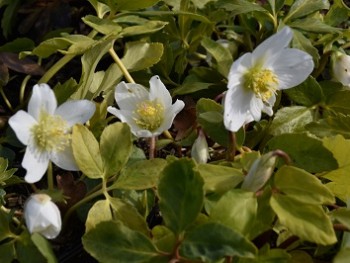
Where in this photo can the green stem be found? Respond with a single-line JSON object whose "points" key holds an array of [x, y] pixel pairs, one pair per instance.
{"points": [[121, 65], [23, 88], [50, 182], [55, 68], [232, 146], [81, 202], [8, 103]]}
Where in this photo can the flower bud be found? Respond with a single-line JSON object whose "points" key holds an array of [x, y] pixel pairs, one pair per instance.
{"points": [[200, 150], [42, 216], [341, 68], [260, 172]]}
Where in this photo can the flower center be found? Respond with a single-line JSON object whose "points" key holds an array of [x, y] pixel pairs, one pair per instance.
{"points": [[262, 81], [149, 115], [50, 134]]}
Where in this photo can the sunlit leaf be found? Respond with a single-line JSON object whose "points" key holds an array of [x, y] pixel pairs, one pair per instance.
{"points": [[44, 247], [99, 212], [302, 8]]}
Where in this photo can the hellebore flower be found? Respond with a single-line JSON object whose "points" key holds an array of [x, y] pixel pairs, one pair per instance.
{"points": [[341, 68], [255, 78], [200, 149], [148, 113], [42, 216], [45, 130]]}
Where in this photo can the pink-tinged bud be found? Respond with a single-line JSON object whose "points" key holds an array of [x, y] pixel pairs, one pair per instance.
{"points": [[341, 68], [42, 216]]}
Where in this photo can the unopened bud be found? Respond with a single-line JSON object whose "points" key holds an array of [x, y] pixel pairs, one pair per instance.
{"points": [[200, 150], [341, 68]]}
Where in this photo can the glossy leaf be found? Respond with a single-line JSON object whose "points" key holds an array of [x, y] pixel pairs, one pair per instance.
{"points": [[306, 152], [99, 212], [302, 186], [146, 28], [240, 6], [140, 175], [113, 155], [302, 8], [309, 222], [104, 26], [213, 241], [87, 152], [114, 242], [180, 194], [236, 209]]}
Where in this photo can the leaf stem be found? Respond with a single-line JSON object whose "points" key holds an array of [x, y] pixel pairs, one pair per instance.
{"points": [[8, 103], [121, 65], [55, 68], [231, 152], [50, 183], [23, 88], [152, 147]]}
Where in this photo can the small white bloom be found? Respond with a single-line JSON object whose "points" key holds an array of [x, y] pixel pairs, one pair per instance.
{"points": [[200, 149], [341, 68], [42, 216], [148, 113], [255, 78], [45, 130]]}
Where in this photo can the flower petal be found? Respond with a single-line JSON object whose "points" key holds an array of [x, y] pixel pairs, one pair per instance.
{"points": [[238, 69], [128, 95], [236, 108], [42, 98], [22, 123], [65, 159], [169, 116], [273, 44], [256, 105], [76, 111], [292, 67], [268, 106], [35, 164], [159, 92]]}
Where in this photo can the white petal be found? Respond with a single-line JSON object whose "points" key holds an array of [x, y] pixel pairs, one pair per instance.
{"points": [[144, 133], [268, 106], [65, 159], [76, 111], [128, 95], [42, 98], [273, 44], [256, 105], [238, 69], [22, 123], [236, 108], [159, 91], [35, 164], [169, 116], [292, 67]]}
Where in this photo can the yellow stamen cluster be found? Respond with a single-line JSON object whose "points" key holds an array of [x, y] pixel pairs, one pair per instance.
{"points": [[50, 134], [263, 82], [149, 115]]}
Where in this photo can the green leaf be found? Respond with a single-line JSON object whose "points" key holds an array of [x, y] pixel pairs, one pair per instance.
{"points": [[44, 247], [314, 25], [8, 252], [128, 215], [219, 179], [99, 212], [222, 55], [116, 147], [5, 231], [309, 222], [18, 45], [210, 242], [342, 215], [308, 93], [302, 8], [339, 102], [180, 194], [140, 175], [306, 152], [27, 251], [236, 209], [65, 90], [342, 256], [104, 26], [209, 114], [133, 5], [163, 238], [302, 186], [86, 152], [331, 126], [237, 7], [142, 55], [291, 119], [113, 242], [146, 28]]}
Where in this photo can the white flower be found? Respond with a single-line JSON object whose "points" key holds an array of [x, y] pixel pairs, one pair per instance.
{"points": [[42, 216], [341, 68], [147, 113], [200, 150], [255, 78], [45, 130]]}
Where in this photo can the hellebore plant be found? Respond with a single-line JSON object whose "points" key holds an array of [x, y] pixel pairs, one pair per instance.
{"points": [[341, 68], [255, 78], [42, 216], [148, 113], [45, 130]]}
